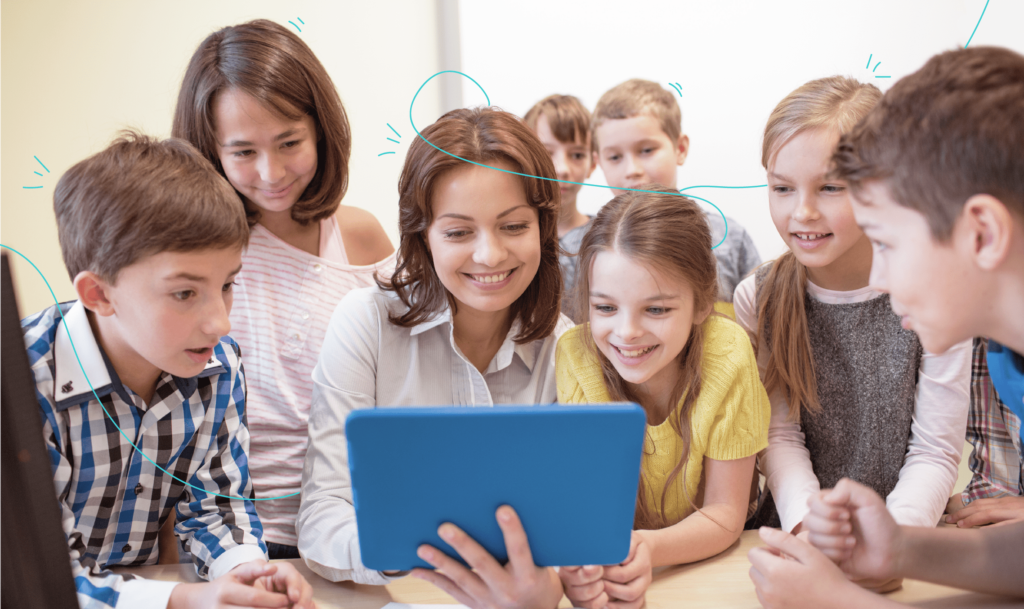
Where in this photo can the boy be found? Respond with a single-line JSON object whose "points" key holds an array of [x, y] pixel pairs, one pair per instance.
{"points": [[562, 124], [638, 140], [152, 237], [937, 184]]}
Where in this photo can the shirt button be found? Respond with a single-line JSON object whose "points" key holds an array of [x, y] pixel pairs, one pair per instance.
{"points": [[127, 548], [297, 337], [305, 315], [138, 489], [317, 268]]}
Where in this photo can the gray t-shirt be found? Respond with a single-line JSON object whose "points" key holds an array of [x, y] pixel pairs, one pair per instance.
{"points": [[571, 242], [736, 257]]}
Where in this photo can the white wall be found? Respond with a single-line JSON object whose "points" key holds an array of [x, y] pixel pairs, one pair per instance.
{"points": [[735, 60]]}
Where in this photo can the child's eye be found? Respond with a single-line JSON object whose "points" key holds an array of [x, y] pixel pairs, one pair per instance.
{"points": [[612, 157], [241, 154], [604, 308], [228, 286], [291, 144], [879, 246], [578, 156], [832, 188], [184, 294], [658, 310], [781, 189], [647, 150]]}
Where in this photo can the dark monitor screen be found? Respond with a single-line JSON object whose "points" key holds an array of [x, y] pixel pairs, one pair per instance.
{"points": [[33, 548]]}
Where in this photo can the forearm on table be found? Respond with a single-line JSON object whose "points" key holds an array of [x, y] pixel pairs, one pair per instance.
{"points": [[696, 537], [789, 475], [986, 560]]}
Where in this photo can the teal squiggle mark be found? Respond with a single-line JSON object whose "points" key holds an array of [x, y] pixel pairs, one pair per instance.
{"points": [[977, 24], [105, 411], [525, 175]]}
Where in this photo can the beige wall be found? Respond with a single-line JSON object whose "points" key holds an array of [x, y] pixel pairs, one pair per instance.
{"points": [[73, 73]]}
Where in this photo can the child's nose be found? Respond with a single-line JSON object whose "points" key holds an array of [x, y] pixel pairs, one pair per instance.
{"points": [[217, 322], [806, 208], [561, 166], [271, 169]]}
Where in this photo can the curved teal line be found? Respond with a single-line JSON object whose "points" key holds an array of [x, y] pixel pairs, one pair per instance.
{"points": [[105, 411], [525, 175], [977, 24]]}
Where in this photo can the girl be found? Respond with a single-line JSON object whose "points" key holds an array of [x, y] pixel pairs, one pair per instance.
{"points": [[649, 285], [261, 107], [469, 317], [853, 394]]}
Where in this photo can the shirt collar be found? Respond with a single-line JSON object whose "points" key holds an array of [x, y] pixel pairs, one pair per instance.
{"points": [[502, 359], [71, 380]]}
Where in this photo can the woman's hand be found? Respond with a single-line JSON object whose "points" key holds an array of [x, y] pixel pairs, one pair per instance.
{"points": [[519, 584]]}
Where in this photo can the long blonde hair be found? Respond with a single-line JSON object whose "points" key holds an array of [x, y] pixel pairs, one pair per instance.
{"points": [[836, 103], [669, 233]]}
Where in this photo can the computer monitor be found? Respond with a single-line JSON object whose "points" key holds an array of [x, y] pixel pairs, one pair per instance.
{"points": [[36, 570]]}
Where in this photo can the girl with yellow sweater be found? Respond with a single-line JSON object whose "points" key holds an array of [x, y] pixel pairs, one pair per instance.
{"points": [[648, 283]]}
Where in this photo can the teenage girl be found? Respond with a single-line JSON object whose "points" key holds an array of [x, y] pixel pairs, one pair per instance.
{"points": [[648, 281], [261, 107], [853, 393]]}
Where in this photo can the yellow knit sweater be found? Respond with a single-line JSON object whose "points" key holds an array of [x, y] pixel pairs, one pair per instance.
{"points": [[729, 420]]}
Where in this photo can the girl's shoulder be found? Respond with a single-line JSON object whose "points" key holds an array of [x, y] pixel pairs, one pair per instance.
{"points": [[728, 353], [364, 238], [574, 353]]}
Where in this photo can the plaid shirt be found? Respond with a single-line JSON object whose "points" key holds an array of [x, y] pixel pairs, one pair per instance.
{"points": [[994, 430], [112, 499]]}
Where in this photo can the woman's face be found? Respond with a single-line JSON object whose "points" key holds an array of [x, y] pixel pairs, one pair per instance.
{"points": [[484, 238], [268, 158]]}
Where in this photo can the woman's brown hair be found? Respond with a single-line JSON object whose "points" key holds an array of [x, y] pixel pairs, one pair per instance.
{"points": [[274, 66], [836, 104], [669, 233], [484, 136]]}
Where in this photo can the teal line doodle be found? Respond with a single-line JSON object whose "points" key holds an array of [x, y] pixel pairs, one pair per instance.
{"points": [[393, 140], [393, 129], [41, 163], [297, 27], [105, 411], [869, 61], [383, 153], [977, 24], [31, 186], [525, 175]]}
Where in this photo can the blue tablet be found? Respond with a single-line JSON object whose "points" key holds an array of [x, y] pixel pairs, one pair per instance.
{"points": [[571, 473]]}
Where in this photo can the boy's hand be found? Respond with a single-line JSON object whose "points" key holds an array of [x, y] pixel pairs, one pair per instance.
{"points": [[851, 525], [992, 510], [520, 583], [235, 589], [627, 582], [287, 580], [584, 586], [791, 573]]}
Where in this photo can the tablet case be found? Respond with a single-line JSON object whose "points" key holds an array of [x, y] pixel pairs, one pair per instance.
{"points": [[570, 471]]}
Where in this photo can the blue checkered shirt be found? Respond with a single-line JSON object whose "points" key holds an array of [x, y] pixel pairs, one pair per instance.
{"points": [[113, 500]]}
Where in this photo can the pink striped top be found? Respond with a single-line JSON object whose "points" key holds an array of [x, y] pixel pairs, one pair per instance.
{"points": [[284, 299]]}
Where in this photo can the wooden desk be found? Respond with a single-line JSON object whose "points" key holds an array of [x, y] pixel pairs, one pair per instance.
{"points": [[718, 582]]}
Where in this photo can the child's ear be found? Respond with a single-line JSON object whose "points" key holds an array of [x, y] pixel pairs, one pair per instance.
{"points": [[682, 148], [700, 317], [988, 226], [94, 292]]}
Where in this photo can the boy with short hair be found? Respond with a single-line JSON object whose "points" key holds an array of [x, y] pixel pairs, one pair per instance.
{"points": [[562, 124], [637, 139], [152, 237], [937, 184]]}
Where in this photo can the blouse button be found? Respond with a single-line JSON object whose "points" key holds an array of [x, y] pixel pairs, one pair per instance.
{"points": [[317, 268], [297, 337], [305, 315]]}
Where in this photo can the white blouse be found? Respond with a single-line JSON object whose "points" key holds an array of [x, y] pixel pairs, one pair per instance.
{"points": [[368, 362], [937, 433]]}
